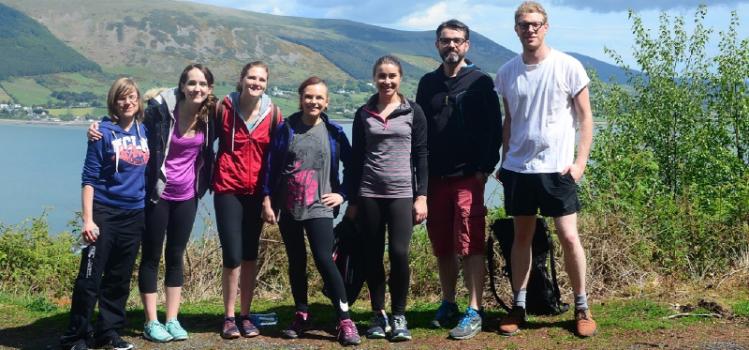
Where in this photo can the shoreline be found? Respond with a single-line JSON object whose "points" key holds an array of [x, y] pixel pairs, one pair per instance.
{"points": [[42, 122], [86, 123]]}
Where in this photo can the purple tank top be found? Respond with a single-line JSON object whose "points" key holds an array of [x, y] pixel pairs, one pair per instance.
{"points": [[180, 164]]}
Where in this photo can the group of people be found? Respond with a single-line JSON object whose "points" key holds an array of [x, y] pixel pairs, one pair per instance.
{"points": [[146, 168]]}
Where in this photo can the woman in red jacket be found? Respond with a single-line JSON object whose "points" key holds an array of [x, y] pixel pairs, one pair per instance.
{"points": [[245, 121]]}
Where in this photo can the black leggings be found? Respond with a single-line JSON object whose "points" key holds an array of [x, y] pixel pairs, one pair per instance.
{"points": [[173, 219], [320, 237], [239, 226], [373, 214]]}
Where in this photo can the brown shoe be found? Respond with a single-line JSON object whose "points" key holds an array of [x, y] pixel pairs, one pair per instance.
{"points": [[584, 324], [230, 330], [510, 324]]}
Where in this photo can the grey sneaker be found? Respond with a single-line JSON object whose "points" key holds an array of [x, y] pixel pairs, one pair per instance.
{"points": [[468, 327], [400, 329], [378, 326], [446, 314]]}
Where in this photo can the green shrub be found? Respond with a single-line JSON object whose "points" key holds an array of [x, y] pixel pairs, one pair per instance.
{"points": [[33, 263]]}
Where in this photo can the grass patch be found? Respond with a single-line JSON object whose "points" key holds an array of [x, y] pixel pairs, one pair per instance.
{"points": [[78, 112], [76, 82], [27, 91], [635, 314], [741, 308], [4, 97]]}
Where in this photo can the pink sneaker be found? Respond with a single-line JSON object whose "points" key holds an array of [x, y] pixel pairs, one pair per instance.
{"points": [[347, 333]]}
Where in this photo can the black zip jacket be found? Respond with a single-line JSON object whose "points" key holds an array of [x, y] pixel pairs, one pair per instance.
{"points": [[464, 121]]}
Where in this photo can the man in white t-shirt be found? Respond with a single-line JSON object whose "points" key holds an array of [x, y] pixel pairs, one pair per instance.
{"points": [[546, 98]]}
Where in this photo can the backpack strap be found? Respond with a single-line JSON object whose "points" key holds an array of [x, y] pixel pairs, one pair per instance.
{"points": [[273, 120], [492, 272], [557, 293]]}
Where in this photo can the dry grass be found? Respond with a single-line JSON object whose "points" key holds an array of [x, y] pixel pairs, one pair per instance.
{"points": [[617, 254]]}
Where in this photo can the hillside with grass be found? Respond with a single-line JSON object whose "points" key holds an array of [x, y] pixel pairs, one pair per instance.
{"points": [[153, 40], [28, 48]]}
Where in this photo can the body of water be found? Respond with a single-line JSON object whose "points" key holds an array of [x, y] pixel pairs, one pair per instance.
{"points": [[43, 173]]}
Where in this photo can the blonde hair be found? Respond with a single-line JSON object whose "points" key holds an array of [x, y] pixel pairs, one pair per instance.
{"points": [[530, 7], [153, 93], [122, 87]]}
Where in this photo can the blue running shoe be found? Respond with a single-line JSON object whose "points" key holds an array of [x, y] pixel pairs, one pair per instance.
{"points": [[468, 327]]}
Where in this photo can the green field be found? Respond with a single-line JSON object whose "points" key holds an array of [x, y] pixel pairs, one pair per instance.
{"points": [[76, 82], [27, 91], [4, 97], [78, 112]]}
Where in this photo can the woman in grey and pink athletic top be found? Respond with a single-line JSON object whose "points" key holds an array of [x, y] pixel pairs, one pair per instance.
{"points": [[389, 161]]}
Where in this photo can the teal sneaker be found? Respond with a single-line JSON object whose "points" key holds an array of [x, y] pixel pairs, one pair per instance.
{"points": [[156, 332], [468, 327], [176, 330], [446, 315]]}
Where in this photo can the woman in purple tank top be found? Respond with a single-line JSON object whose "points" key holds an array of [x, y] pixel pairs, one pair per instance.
{"points": [[180, 133]]}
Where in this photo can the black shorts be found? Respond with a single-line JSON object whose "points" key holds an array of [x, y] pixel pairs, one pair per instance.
{"points": [[553, 194]]}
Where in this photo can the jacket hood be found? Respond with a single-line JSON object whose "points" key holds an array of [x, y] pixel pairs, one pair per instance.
{"points": [[232, 99], [469, 67], [168, 97]]}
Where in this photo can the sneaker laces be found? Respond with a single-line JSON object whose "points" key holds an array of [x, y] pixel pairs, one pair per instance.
{"points": [[466, 320], [399, 322], [347, 328]]}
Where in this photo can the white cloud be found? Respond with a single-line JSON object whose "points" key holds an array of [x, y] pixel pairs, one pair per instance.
{"points": [[574, 27], [428, 19]]}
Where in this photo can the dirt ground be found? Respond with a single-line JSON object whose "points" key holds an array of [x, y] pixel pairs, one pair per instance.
{"points": [[708, 335]]}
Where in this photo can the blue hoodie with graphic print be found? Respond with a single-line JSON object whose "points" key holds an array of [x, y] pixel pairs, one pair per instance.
{"points": [[115, 165]]}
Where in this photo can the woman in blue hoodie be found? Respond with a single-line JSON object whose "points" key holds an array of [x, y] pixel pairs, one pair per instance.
{"points": [[180, 135], [113, 193]]}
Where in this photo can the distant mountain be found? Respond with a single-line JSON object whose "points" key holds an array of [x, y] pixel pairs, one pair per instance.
{"points": [[605, 71], [152, 40], [28, 48]]}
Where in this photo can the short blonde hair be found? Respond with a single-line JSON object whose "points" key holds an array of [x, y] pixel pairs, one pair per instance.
{"points": [[122, 87], [530, 7]]}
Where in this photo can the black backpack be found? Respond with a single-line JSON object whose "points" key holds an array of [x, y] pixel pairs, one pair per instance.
{"points": [[543, 296], [348, 253]]}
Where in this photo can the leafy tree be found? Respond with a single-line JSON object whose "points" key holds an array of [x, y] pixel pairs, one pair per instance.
{"points": [[672, 156]]}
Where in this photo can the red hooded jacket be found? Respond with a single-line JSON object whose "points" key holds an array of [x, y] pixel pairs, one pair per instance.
{"points": [[239, 161]]}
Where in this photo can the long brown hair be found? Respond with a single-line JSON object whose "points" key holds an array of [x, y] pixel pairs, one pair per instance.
{"points": [[208, 107]]}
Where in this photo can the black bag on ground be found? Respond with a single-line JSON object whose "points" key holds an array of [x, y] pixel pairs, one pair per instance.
{"points": [[543, 296], [347, 255]]}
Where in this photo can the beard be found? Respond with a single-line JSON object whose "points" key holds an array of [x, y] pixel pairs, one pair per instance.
{"points": [[451, 57]]}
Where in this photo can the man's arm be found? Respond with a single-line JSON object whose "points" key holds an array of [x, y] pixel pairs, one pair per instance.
{"points": [[585, 123], [506, 126]]}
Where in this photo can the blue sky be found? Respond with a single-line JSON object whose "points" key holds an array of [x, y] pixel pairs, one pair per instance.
{"points": [[575, 25]]}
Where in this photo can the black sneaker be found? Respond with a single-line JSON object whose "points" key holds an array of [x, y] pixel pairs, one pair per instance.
{"points": [[446, 315], [378, 326], [79, 345], [113, 342]]}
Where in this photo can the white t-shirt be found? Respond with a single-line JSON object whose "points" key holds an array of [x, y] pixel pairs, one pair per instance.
{"points": [[540, 102]]}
